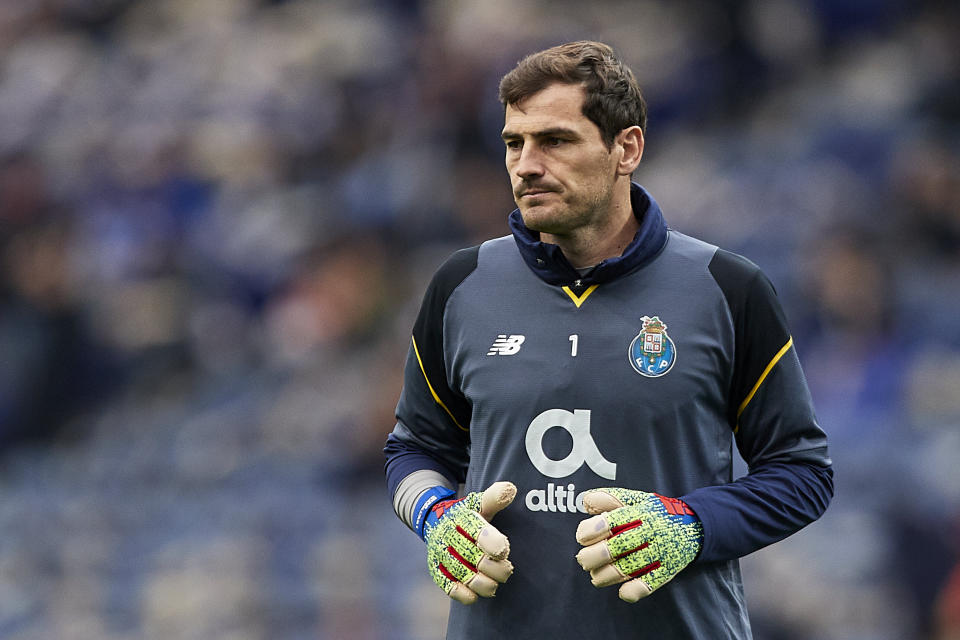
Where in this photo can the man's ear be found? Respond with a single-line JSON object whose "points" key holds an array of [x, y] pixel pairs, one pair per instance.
{"points": [[631, 141]]}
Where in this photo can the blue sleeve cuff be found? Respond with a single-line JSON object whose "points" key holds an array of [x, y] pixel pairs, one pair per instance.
{"points": [[764, 507]]}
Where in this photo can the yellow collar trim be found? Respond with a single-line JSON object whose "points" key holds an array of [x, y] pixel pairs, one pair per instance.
{"points": [[579, 300]]}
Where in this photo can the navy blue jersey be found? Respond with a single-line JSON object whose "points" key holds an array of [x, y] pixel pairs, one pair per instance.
{"points": [[641, 374]]}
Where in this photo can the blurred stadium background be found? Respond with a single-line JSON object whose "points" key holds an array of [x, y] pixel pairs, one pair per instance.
{"points": [[217, 218]]}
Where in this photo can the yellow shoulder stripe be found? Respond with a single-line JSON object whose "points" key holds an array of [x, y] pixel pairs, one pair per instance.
{"points": [[430, 386], [763, 376], [578, 300]]}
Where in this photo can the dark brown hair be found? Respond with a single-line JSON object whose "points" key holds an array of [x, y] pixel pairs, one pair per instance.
{"points": [[613, 100]]}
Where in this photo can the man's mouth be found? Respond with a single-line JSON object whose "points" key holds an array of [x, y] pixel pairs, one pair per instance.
{"points": [[535, 192]]}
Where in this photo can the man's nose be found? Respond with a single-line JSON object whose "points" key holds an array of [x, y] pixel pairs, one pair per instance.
{"points": [[530, 162]]}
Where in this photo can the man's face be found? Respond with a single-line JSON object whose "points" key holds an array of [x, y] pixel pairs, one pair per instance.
{"points": [[561, 171]]}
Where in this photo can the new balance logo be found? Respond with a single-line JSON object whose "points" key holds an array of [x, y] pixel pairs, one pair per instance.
{"points": [[506, 345]]}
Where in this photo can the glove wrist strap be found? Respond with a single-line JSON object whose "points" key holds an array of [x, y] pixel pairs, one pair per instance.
{"points": [[424, 503]]}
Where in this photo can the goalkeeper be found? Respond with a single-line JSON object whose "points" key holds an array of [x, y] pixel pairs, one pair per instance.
{"points": [[585, 379]]}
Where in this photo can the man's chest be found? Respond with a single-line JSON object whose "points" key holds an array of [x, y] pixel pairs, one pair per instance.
{"points": [[641, 349]]}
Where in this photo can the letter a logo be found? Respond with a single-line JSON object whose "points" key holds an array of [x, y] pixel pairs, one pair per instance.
{"points": [[577, 424]]}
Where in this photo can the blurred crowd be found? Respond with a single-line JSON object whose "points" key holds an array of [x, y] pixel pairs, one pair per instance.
{"points": [[217, 218]]}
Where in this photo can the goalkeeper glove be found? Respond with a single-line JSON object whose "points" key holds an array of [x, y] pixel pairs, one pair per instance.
{"points": [[641, 539], [466, 555]]}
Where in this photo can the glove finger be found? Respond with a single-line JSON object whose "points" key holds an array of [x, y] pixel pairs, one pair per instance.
{"points": [[472, 556], [474, 528], [498, 570], [446, 580], [482, 585], [463, 560], [493, 543], [632, 544], [462, 593], [464, 548], [496, 498], [601, 500], [631, 563], [593, 530], [596, 555], [638, 563], [606, 575], [633, 590], [461, 580]]}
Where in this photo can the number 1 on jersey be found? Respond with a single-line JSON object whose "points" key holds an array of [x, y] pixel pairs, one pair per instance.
{"points": [[574, 339]]}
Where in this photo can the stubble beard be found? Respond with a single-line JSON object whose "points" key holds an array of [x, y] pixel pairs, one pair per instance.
{"points": [[564, 218]]}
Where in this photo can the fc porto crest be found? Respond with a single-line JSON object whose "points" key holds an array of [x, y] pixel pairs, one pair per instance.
{"points": [[652, 352]]}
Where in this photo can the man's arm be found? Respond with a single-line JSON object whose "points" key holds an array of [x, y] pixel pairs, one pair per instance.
{"points": [[790, 479], [428, 453], [772, 502], [429, 445], [426, 448]]}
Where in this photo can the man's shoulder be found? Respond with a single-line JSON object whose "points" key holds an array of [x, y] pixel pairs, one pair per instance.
{"points": [[498, 248], [455, 269], [460, 264], [688, 246], [726, 267], [736, 274]]}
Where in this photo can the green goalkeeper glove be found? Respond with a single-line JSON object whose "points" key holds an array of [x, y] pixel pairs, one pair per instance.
{"points": [[640, 539], [466, 555]]}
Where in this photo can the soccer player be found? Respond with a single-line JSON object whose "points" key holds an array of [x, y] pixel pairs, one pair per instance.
{"points": [[597, 366]]}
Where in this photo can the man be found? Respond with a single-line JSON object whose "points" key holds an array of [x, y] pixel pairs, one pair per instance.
{"points": [[596, 348]]}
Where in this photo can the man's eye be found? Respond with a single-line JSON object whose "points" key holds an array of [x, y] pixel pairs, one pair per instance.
{"points": [[512, 144], [553, 141]]}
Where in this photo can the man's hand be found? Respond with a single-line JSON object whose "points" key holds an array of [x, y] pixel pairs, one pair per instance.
{"points": [[466, 555], [641, 539]]}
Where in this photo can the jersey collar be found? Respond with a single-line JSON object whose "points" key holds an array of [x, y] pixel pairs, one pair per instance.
{"points": [[549, 263]]}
